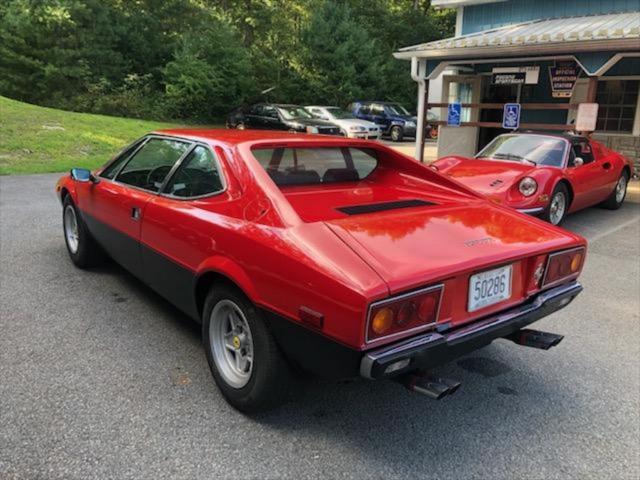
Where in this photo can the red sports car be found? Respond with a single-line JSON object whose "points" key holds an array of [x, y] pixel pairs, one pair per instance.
{"points": [[335, 256], [544, 174]]}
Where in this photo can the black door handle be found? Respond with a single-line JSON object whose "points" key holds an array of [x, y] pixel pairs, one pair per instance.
{"points": [[135, 213]]}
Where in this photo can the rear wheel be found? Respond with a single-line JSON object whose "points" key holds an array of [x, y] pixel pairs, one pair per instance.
{"points": [[396, 134], [244, 359], [83, 249], [619, 193], [558, 205]]}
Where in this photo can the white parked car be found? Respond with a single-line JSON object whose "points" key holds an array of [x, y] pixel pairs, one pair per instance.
{"points": [[351, 126]]}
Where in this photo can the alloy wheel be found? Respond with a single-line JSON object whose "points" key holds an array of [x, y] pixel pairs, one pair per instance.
{"points": [[71, 229], [231, 343], [557, 208]]}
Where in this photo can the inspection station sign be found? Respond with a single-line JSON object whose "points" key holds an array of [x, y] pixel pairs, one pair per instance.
{"points": [[563, 77]]}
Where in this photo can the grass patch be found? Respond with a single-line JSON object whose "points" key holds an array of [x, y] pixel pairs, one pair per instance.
{"points": [[37, 139]]}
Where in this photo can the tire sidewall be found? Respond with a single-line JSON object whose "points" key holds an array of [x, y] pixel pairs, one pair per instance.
{"points": [[247, 398], [559, 188], [626, 188], [398, 137], [79, 258]]}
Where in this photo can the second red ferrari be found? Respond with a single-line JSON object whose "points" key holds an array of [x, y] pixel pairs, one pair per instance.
{"points": [[547, 175]]}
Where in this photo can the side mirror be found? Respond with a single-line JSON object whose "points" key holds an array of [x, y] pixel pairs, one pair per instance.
{"points": [[578, 162], [83, 175]]}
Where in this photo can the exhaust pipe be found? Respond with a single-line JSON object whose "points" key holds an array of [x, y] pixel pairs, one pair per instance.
{"points": [[429, 385], [535, 338]]}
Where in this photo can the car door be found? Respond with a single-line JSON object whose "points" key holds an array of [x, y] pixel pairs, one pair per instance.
{"points": [[379, 116], [182, 226], [113, 208], [270, 118], [586, 179], [252, 117]]}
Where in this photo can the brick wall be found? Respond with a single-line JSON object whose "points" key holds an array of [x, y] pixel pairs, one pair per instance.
{"points": [[627, 145]]}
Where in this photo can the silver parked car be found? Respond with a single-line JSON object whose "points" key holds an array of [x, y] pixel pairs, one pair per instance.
{"points": [[350, 126]]}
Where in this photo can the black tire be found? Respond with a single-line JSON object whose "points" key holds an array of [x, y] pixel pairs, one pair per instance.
{"points": [[269, 374], [87, 253], [614, 202], [551, 215], [396, 134]]}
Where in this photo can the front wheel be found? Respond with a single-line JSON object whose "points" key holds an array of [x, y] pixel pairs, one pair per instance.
{"points": [[83, 249], [396, 134], [558, 205], [244, 359], [615, 200]]}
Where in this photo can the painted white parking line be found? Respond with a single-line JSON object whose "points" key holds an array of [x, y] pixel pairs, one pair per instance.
{"points": [[613, 230]]}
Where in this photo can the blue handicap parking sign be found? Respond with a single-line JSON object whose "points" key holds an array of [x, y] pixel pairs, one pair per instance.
{"points": [[511, 116], [453, 114]]}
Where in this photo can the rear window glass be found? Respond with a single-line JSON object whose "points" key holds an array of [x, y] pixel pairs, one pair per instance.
{"points": [[309, 166]]}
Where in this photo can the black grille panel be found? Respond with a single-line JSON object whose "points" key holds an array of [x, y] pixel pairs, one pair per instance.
{"points": [[381, 207]]}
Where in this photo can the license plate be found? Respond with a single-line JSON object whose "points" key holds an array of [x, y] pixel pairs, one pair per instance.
{"points": [[487, 288]]}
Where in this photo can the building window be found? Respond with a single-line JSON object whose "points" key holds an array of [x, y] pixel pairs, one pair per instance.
{"points": [[618, 100]]}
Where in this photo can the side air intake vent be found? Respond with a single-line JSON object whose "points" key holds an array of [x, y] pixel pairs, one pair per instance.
{"points": [[381, 207]]}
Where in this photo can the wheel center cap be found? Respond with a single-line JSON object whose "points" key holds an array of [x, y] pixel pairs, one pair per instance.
{"points": [[236, 342]]}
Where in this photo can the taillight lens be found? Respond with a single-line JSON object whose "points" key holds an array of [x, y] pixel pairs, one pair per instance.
{"points": [[563, 265], [407, 312]]}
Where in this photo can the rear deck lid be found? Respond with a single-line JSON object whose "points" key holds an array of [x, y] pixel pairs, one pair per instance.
{"points": [[412, 247]]}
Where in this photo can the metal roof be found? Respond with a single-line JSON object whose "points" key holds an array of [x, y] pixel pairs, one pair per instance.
{"points": [[617, 31]]}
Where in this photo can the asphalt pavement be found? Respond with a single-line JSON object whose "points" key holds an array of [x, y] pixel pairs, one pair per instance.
{"points": [[101, 378]]}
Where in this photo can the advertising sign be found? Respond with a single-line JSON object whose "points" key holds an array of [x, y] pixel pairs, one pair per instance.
{"points": [[531, 72], [511, 116], [453, 114], [508, 78], [563, 77]]}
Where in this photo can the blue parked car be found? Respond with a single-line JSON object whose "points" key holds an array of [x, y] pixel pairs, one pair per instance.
{"points": [[395, 120]]}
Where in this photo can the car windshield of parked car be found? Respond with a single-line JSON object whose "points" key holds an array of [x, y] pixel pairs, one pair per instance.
{"points": [[313, 166], [290, 113], [533, 149], [340, 114], [396, 109]]}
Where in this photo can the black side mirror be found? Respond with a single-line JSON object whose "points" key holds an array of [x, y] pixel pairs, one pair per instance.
{"points": [[83, 175]]}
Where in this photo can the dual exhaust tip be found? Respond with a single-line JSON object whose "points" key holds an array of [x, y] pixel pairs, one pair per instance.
{"points": [[430, 385], [439, 387]]}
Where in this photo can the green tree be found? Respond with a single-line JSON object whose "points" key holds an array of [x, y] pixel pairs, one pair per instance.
{"points": [[342, 61], [209, 74]]}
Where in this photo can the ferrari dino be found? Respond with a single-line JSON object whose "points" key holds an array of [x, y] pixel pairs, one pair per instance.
{"points": [[335, 256]]}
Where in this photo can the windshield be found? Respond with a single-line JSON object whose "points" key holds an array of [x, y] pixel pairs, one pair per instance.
{"points": [[340, 114], [289, 113], [534, 149], [396, 109]]}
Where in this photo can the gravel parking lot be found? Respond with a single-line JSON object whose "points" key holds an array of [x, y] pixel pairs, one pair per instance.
{"points": [[101, 378]]}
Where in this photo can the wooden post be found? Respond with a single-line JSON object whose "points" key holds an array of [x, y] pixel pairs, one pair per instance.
{"points": [[592, 87]]}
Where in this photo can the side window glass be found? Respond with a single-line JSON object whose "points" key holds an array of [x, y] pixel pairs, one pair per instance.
{"points": [[197, 175], [583, 150], [150, 165], [377, 110], [111, 170]]}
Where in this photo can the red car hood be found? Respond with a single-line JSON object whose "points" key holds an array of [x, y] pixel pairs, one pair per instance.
{"points": [[487, 176], [414, 247]]}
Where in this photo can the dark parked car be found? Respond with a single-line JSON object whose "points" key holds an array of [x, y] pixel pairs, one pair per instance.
{"points": [[292, 118], [395, 120]]}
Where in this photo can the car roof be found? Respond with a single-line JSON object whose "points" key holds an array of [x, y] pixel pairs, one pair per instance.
{"points": [[232, 138]]}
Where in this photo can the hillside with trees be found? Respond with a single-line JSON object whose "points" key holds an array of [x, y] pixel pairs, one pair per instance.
{"points": [[199, 59]]}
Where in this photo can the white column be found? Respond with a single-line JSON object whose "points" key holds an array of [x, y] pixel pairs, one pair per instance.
{"points": [[418, 73]]}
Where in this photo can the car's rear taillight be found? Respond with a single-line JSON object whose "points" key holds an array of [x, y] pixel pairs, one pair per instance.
{"points": [[404, 313], [563, 266]]}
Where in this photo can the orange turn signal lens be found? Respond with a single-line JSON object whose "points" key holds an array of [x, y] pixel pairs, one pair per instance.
{"points": [[382, 321], [576, 261]]}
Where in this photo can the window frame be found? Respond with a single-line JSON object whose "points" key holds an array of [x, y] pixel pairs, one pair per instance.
{"points": [[176, 167], [139, 142], [634, 119]]}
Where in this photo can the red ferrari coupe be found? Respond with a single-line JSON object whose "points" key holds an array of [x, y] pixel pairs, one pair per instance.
{"points": [[335, 256], [544, 174]]}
